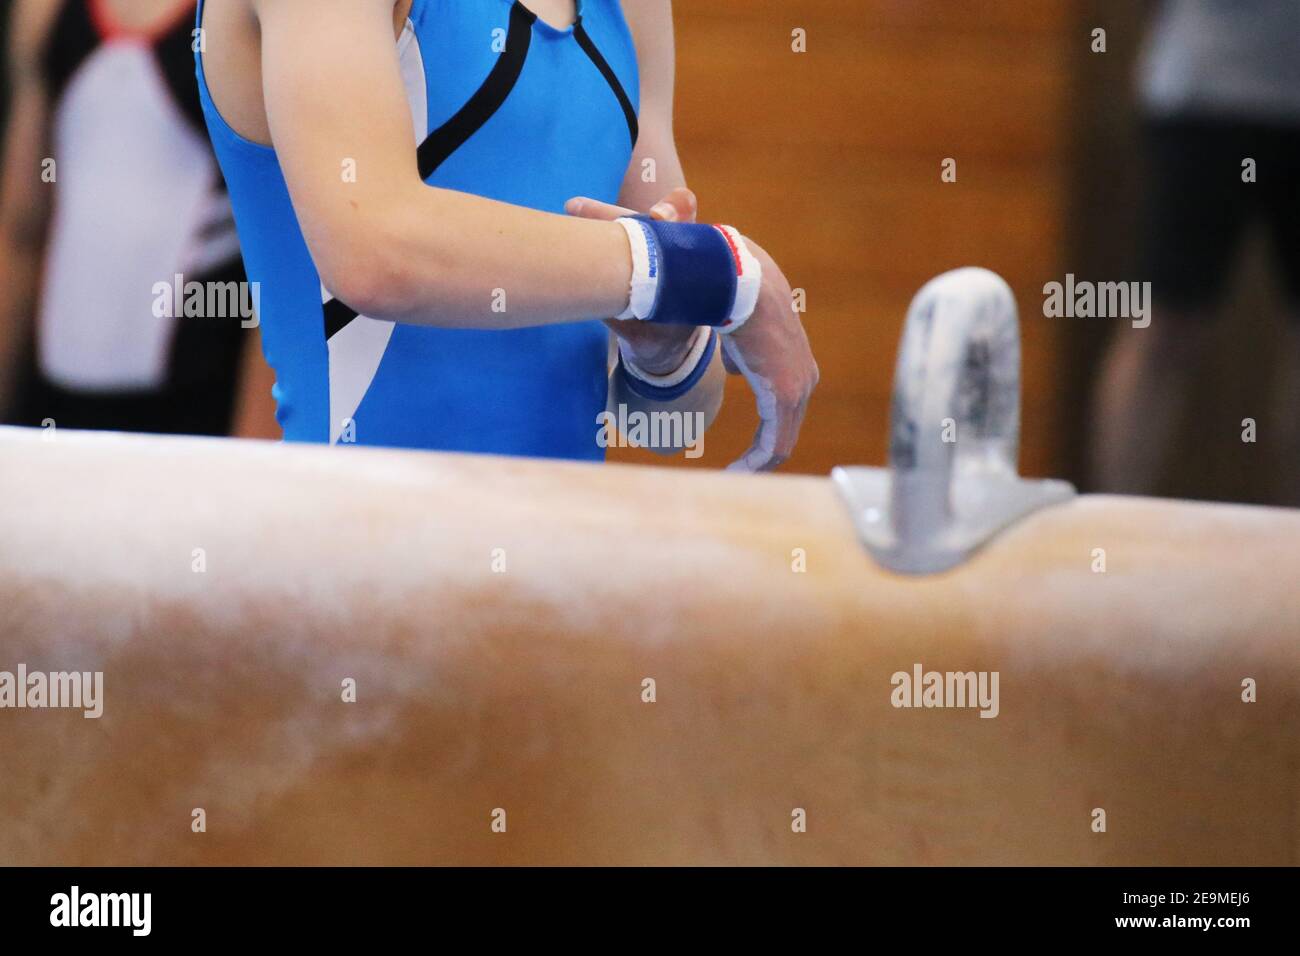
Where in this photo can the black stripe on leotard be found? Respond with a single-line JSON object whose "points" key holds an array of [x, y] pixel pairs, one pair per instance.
{"points": [[453, 134], [589, 47]]}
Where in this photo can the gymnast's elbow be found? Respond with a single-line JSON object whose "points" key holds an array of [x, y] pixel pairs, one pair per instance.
{"points": [[362, 273], [379, 275], [364, 258]]}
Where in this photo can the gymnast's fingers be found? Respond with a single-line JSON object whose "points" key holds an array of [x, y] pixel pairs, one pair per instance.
{"points": [[679, 205], [780, 412], [585, 208], [729, 364]]}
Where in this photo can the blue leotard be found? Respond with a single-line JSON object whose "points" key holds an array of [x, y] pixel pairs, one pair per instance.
{"points": [[503, 106]]}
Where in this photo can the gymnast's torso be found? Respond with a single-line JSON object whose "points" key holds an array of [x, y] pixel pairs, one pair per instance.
{"points": [[521, 112]]}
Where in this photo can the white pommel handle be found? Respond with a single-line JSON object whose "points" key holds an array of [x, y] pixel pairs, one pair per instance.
{"points": [[956, 399]]}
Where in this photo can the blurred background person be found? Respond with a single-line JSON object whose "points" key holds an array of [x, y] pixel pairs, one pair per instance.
{"points": [[108, 188], [1219, 84]]}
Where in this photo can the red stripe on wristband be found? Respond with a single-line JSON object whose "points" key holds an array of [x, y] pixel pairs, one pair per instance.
{"points": [[735, 253]]}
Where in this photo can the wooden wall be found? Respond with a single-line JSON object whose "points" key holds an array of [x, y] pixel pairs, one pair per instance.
{"points": [[831, 159]]}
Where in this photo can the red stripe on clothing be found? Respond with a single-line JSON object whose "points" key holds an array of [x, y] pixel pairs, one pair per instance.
{"points": [[111, 29]]}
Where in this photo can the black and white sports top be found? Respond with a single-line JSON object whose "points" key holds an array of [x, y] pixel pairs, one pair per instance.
{"points": [[138, 200]]}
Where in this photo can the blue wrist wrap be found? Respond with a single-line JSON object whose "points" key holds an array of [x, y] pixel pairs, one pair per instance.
{"points": [[697, 274], [659, 393]]}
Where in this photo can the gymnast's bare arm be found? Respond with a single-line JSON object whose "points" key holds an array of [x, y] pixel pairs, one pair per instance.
{"points": [[396, 249], [24, 193], [387, 244]]}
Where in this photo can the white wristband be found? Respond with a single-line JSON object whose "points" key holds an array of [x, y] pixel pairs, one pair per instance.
{"points": [[749, 280], [645, 271], [698, 346]]}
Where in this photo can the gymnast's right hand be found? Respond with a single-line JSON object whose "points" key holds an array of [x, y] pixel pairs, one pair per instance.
{"points": [[772, 352]]}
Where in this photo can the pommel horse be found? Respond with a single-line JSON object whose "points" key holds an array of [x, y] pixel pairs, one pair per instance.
{"points": [[315, 655]]}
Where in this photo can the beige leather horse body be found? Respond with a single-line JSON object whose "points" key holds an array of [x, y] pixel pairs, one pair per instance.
{"points": [[501, 620]]}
